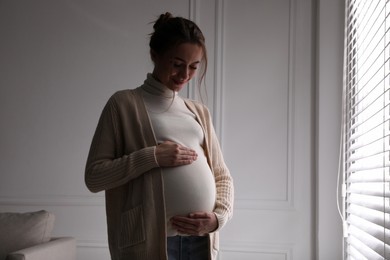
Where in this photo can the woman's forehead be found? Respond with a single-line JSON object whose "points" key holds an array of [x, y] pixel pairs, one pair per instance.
{"points": [[186, 52]]}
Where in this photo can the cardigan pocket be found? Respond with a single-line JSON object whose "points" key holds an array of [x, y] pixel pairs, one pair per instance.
{"points": [[132, 228]]}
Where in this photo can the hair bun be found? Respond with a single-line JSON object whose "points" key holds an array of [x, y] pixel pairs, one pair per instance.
{"points": [[161, 20]]}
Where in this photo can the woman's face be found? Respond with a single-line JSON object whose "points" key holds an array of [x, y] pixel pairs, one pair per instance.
{"points": [[176, 67]]}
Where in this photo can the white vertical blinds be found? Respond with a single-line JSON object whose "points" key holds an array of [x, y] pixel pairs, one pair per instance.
{"points": [[366, 122]]}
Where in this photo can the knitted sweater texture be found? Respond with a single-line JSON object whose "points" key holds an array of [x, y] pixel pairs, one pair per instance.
{"points": [[122, 163]]}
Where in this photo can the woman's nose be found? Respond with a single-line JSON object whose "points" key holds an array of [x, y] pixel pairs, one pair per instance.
{"points": [[184, 73]]}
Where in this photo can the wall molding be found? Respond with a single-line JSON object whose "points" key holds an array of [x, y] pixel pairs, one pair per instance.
{"points": [[227, 246], [259, 204], [285, 250], [291, 104], [219, 48], [194, 11], [53, 200], [218, 99], [193, 15]]}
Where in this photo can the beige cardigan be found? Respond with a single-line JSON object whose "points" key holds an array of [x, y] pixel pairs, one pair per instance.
{"points": [[121, 161]]}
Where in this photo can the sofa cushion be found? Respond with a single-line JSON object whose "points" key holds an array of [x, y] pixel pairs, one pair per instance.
{"points": [[22, 230]]}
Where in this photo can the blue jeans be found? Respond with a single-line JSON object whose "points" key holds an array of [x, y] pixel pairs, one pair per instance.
{"points": [[188, 248]]}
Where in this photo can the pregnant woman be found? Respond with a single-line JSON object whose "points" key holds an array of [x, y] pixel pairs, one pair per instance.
{"points": [[168, 191]]}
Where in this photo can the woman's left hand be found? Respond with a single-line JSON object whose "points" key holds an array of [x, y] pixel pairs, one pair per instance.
{"points": [[195, 224]]}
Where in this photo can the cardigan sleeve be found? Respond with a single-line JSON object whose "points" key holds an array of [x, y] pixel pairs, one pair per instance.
{"points": [[224, 184], [103, 169], [223, 180], [223, 209]]}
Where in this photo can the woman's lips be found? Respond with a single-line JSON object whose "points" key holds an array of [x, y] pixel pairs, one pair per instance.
{"points": [[179, 82]]}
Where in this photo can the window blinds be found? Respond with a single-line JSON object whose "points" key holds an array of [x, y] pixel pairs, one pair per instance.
{"points": [[366, 142]]}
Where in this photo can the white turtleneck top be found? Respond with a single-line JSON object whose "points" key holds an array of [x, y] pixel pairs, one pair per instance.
{"points": [[187, 188]]}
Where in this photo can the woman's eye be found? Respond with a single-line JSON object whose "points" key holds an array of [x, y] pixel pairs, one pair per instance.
{"points": [[179, 65]]}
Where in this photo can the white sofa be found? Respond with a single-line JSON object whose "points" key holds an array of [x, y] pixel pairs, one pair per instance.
{"points": [[27, 236], [62, 248]]}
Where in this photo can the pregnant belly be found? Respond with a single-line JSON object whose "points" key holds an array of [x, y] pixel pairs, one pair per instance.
{"points": [[188, 189]]}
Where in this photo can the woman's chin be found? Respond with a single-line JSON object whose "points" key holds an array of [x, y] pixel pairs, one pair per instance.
{"points": [[177, 87]]}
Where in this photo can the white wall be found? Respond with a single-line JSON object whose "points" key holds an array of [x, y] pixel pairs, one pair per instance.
{"points": [[59, 63], [267, 120], [330, 42], [61, 60]]}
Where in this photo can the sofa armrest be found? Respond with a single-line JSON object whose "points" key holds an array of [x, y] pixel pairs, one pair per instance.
{"points": [[61, 248]]}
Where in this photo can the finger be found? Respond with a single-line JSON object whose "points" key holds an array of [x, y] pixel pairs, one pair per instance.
{"points": [[184, 222], [180, 150], [183, 219], [186, 155], [185, 158], [185, 228], [184, 225], [183, 162], [174, 155], [199, 215], [187, 152], [191, 226]]}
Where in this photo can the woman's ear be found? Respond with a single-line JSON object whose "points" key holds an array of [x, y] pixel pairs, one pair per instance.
{"points": [[153, 56]]}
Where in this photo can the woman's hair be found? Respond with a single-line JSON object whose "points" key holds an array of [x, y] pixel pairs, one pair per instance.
{"points": [[169, 32]]}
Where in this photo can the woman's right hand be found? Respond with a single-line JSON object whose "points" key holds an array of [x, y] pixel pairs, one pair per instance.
{"points": [[170, 154]]}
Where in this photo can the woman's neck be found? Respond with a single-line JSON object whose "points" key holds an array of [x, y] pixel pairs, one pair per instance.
{"points": [[154, 87]]}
